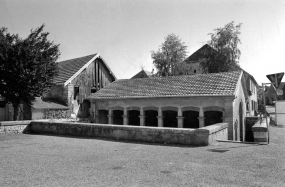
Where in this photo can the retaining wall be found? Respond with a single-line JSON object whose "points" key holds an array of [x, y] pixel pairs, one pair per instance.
{"points": [[202, 136], [14, 127], [199, 137]]}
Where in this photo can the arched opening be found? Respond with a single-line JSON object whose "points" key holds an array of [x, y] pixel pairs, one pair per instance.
{"points": [[170, 118], [191, 119], [118, 117], [241, 122], [103, 116], [134, 118], [213, 117], [151, 118]]}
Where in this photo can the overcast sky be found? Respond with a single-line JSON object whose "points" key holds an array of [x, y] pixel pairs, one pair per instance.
{"points": [[125, 32]]}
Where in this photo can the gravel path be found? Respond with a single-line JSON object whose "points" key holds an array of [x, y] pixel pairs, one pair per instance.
{"points": [[40, 160]]}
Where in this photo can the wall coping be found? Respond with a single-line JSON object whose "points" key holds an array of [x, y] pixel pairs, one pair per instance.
{"points": [[23, 122], [212, 128], [123, 127], [260, 127], [13, 123]]}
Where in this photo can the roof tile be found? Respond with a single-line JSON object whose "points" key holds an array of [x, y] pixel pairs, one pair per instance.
{"points": [[67, 68], [190, 85]]}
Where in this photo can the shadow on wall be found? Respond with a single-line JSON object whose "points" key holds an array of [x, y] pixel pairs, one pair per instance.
{"points": [[83, 111]]}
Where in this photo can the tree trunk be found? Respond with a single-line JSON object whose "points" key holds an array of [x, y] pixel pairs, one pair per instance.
{"points": [[16, 112]]}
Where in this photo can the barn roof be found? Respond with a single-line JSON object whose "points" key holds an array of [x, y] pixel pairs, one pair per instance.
{"points": [[212, 84], [69, 68], [142, 74], [198, 55]]}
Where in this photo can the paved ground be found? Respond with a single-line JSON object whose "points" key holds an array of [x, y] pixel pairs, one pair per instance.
{"points": [[39, 160]]}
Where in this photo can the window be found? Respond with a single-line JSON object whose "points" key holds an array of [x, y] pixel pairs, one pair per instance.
{"points": [[194, 70], [76, 92]]}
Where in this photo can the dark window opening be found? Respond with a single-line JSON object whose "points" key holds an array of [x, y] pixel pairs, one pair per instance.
{"points": [[118, 117], [170, 118], [213, 117], [134, 117], [103, 116], [76, 92], [151, 118], [194, 70], [191, 119]]}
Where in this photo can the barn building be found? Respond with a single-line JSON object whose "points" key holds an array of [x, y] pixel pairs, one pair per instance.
{"points": [[77, 79]]}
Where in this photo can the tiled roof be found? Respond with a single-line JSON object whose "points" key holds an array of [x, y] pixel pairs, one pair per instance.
{"points": [[67, 68], [46, 104], [216, 84]]}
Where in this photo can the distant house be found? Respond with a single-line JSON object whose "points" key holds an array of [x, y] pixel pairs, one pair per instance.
{"points": [[142, 74], [191, 101], [198, 56]]}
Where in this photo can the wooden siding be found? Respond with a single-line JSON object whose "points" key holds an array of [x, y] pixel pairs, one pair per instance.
{"points": [[95, 75]]}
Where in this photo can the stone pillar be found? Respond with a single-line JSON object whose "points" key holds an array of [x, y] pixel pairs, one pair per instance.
{"points": [[69, 94], [180, 118], [180, 121], [201, 118], [160, 118], [142, 117], [223, 118], [110, 116], [125, 117]]}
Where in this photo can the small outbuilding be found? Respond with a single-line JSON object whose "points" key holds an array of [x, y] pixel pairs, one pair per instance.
{"points": [[47, 109], [191, 101]]}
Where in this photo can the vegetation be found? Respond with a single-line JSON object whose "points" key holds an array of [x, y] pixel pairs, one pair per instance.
{"points": [[169, 57], [27, 66], [226, 54]]}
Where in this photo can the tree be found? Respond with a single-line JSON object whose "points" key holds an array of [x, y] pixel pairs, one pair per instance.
{"points": [[27, 66], [226, 54], [169, 57]]}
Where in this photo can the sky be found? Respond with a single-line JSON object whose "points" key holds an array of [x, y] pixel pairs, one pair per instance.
{"points": [[124, 32]]}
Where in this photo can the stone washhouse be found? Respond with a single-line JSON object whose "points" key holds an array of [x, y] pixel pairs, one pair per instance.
{"points": [[191, 101]]}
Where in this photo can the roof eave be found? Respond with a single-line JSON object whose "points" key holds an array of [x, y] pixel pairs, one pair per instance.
{"points": [[81, 69], [155, 97]]}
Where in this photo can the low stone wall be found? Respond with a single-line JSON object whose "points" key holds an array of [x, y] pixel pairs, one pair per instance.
{"points": [[14, 127], [200, 137], [260, 131]]}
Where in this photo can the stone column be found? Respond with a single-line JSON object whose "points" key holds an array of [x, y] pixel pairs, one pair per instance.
{"points": [[110, 116], [180, 118], [125, 117], [223, 118], [180, 121], [69, 94], [201, 118], [142, 117], [160, 118]]}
